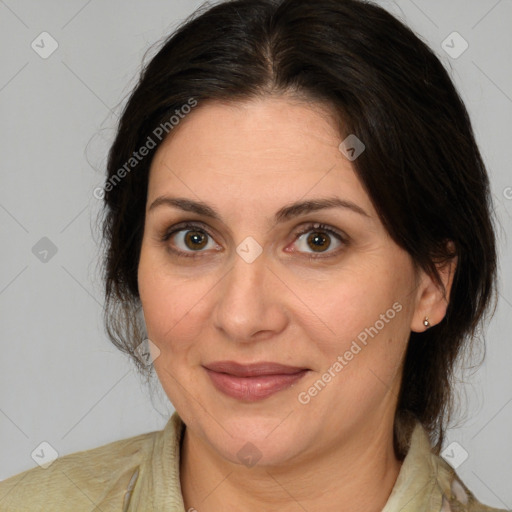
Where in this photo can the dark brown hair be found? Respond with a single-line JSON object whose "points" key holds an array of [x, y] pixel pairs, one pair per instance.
{"points": [[421, 167]]}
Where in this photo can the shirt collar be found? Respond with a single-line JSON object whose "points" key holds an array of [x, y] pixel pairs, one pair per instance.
{"points": [[417, 488]]}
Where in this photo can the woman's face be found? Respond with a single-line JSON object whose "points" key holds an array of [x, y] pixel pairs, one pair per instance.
{"points": [[262, 284]]}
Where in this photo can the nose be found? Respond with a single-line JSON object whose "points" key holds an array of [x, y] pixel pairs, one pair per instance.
{"points": [[250, 302]]}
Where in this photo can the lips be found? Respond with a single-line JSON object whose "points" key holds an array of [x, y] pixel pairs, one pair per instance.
{"points": [[251, 382]]}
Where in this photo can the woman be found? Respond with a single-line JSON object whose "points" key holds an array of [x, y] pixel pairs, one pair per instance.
{"points": [[298, 219]]}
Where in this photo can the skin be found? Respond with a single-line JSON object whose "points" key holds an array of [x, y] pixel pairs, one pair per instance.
{"points": [[248, 160]]}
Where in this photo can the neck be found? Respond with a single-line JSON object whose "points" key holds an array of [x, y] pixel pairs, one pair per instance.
{"points": [[353, 478]]}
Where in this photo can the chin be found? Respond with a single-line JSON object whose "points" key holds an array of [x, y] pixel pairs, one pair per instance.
{"points": [[257, 439], [261, 452]]}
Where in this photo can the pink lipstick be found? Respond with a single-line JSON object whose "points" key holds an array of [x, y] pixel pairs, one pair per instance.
{"points": [[252, 382]]}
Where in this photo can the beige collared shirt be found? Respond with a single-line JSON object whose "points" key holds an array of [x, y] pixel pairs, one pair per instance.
{"points": [[141, 474]]}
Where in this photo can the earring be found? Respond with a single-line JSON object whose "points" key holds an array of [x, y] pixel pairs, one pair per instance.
{"points": [[426, 323]]}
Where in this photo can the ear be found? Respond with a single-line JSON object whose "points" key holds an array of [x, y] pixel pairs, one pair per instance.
{"points": [[431, 300]]}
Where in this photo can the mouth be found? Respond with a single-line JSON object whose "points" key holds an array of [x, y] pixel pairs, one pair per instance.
{"points": [[252, 382]]}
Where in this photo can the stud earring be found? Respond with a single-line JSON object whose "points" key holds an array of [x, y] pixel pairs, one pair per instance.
{"points": [[426, 323]]}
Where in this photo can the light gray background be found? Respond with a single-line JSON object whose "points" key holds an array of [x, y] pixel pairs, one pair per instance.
{"points": [[60, 379]]}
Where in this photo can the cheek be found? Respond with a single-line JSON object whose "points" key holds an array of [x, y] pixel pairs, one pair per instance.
{"points": [[359, 362], [175, 306], [366, 322], [355, 301]]}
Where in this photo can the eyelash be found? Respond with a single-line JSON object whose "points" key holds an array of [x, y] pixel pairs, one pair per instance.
{"points": [[314, 226]]}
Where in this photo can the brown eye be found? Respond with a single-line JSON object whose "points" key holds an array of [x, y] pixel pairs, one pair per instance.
{"points": [[318, 241], [188, 240], [195, 240]]}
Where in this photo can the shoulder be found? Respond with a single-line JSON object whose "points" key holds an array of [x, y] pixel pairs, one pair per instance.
{"points": [[81, 480], [428, 482], [456, 496]]}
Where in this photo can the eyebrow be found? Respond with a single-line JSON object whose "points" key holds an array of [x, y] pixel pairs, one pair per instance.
{"points": [[286, 213]]}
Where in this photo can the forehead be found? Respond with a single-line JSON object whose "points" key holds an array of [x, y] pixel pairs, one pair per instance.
{"points": [[276, 149]]}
